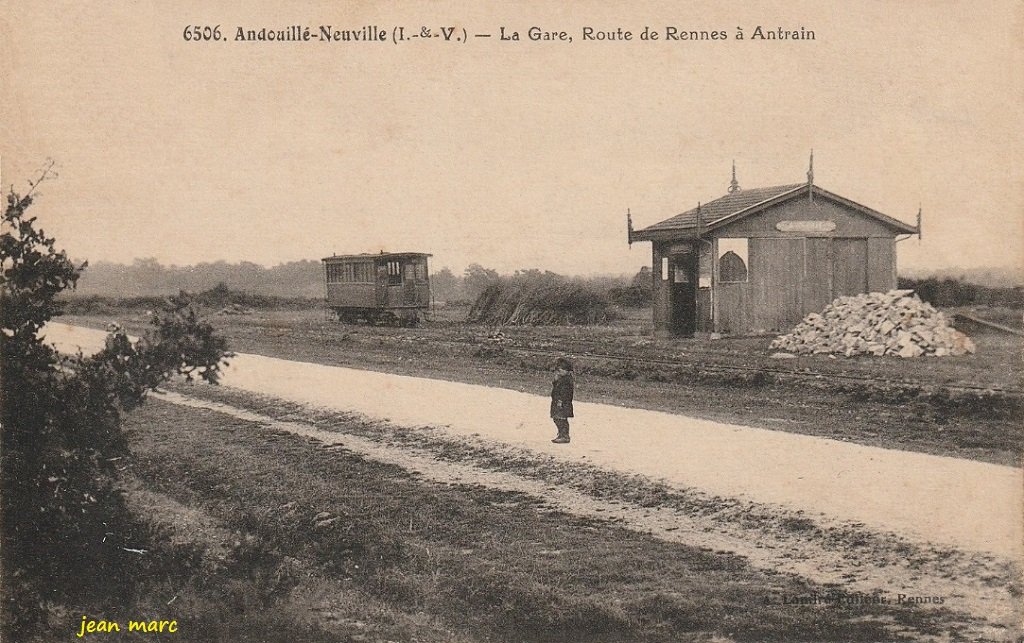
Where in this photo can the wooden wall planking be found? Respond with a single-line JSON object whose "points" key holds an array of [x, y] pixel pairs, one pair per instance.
{"points": [[881, 264], [849, 267], [817, 282], [733, 308]]}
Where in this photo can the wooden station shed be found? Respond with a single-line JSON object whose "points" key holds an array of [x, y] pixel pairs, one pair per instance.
{"points": [[759, 260]]}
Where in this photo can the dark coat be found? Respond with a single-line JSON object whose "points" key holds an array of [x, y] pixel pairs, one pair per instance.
{"points": [[561, 396]]}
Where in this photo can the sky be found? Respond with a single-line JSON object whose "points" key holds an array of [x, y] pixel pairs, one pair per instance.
{"points": [[508, 154]]}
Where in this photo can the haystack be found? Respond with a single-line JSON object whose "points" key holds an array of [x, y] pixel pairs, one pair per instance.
{"points": [[536, 299]]}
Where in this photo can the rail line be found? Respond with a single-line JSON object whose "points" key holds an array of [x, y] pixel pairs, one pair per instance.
{"points": [[802, 374], [436, 335]]}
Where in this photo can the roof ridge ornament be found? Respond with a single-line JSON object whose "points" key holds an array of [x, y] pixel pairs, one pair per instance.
{"points": [[734, 186], [810, 178]]}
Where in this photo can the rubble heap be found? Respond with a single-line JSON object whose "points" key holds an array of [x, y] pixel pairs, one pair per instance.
{"points": [[892, 323]]}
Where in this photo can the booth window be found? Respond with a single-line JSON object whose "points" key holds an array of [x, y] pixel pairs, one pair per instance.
{"points": [[680, 274], [733, 260], [704, 266]]}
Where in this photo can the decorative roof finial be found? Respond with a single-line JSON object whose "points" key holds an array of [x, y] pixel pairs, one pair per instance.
{"points": [[810, 178], [734, 186]]}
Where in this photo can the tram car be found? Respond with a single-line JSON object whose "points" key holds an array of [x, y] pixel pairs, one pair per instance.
{"points": [[390, 287]]}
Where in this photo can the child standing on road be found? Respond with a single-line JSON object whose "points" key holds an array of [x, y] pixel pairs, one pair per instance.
{"points": [[561, 399]]}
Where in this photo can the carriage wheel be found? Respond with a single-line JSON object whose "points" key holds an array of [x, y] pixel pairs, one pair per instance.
{"points": [[411, 321], [346, 316]]}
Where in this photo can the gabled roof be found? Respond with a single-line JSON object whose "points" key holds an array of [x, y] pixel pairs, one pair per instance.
{"points": [[743, 203]]}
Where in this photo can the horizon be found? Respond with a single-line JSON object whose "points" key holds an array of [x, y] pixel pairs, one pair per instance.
{"points": [[1000, 272]]}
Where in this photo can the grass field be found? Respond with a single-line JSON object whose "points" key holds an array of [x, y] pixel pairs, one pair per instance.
{"points": [[270, 537]]}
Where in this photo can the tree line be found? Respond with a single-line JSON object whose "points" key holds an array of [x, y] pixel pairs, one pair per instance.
{"points": [[304, 279]]}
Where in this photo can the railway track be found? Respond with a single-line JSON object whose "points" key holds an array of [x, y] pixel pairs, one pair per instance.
{"points": [[579, 349], [802, 374], [581, 352]]}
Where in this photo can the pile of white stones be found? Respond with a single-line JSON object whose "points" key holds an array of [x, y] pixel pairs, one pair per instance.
{"points": [[892, 323]]}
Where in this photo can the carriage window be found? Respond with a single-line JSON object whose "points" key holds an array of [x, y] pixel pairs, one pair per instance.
{"points": [[394, 273], [421, 271], [349, 273], [362, 273], [732, 260]]}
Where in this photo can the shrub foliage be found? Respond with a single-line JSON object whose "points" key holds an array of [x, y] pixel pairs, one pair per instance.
{"points": [[67, 538], [949, 292]]}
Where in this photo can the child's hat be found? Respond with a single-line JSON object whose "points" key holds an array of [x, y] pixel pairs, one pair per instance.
{"points": [[563, 362]]}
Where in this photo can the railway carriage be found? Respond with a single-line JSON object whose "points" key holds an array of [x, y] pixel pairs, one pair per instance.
{"points": [[392, 287]]}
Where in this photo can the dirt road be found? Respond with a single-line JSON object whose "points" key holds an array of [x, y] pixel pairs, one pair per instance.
{"points": [[968, 505]]}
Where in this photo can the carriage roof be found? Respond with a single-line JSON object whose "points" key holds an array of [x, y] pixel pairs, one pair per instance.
{"points": [[381, 255]]}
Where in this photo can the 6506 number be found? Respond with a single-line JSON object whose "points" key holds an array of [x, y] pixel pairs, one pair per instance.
{"points": [[201, 32]]}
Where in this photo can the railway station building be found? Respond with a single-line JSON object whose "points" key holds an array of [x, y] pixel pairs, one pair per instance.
{"points": [[758, 260]]}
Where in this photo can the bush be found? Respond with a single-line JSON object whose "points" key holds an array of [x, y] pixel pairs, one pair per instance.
{"points": [[66, 534], [956, 292], [216, 298], [638, 294]]}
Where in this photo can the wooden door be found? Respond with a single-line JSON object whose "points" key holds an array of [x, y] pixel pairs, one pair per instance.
{"points": [[776, 275], [683, 286], [409, 283], [382, 284]]}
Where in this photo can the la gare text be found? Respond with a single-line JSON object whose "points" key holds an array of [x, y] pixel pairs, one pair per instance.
{"points": [[595, 34]]}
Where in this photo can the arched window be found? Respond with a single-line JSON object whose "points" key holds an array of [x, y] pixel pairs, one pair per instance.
{"points": [[732, 259], [732, 268]]}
